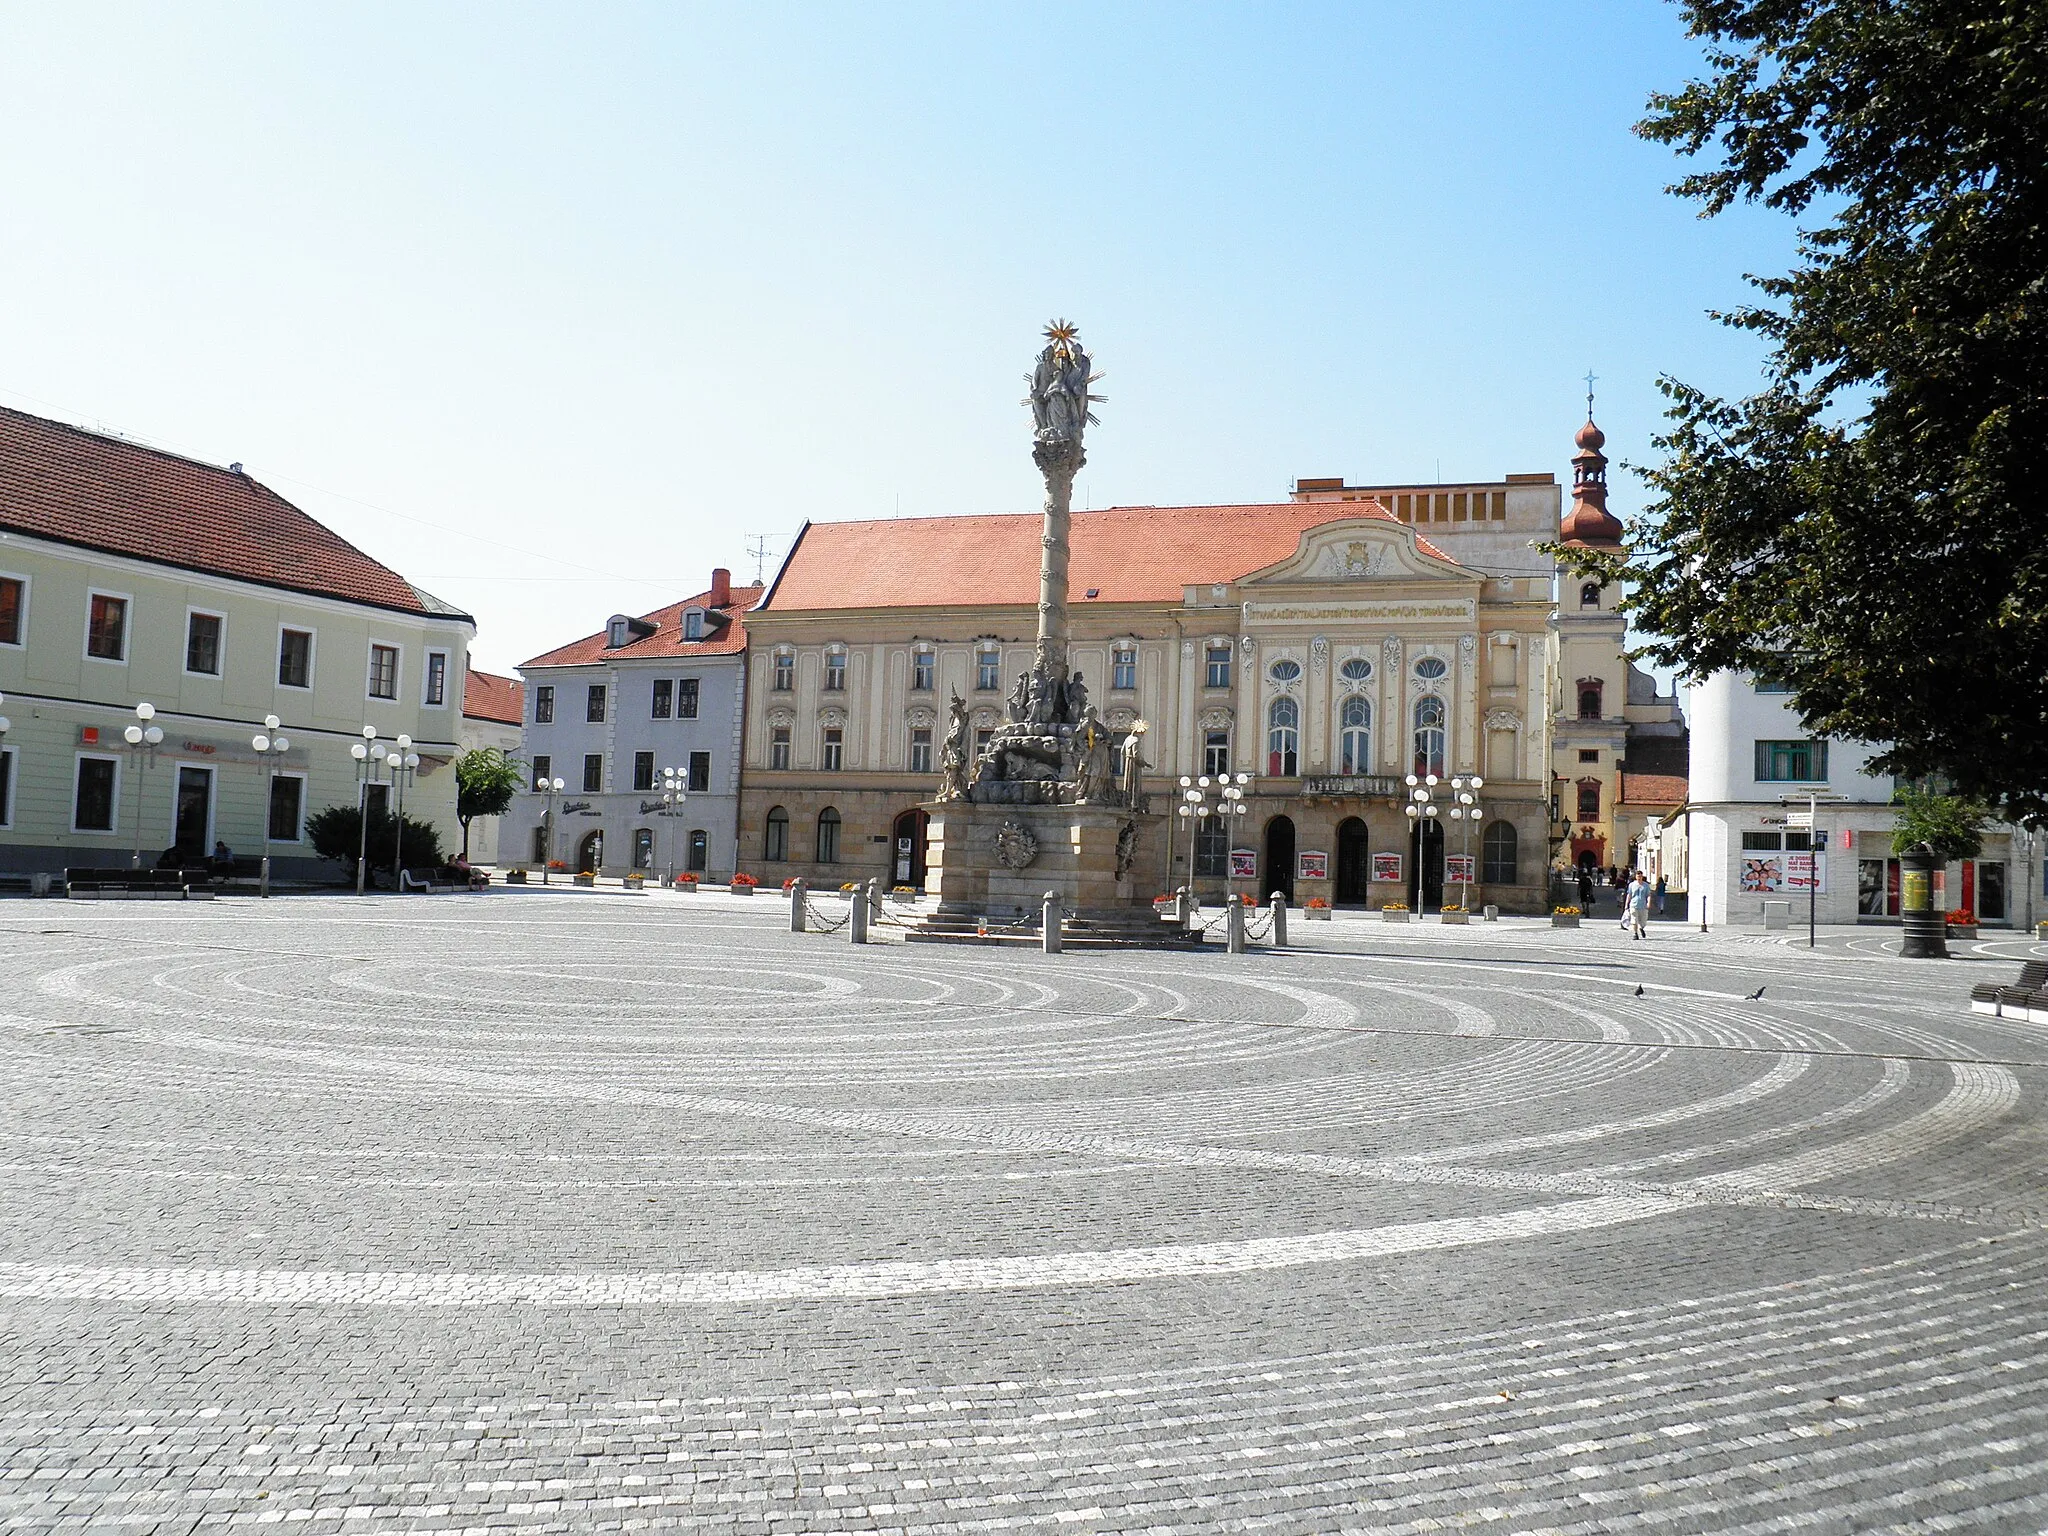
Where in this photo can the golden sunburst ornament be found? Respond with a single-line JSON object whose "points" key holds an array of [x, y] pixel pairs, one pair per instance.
{"points": [[1062, 330]]}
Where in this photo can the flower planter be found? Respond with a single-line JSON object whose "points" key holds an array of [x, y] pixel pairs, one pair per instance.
{"points": [[1316, 914], [1456, 919], [586, 879], [1962, 930], [685, 887], [1388, 915], [515, 877], [1560, 920], [636, 882], [742, 890]]}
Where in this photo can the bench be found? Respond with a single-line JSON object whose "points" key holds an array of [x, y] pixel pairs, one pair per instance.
{"points": [[139, 884], [2028, 1000], [445, 878]]}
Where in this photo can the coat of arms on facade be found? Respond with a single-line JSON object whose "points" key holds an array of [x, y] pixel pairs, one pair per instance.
{"points": [[1015, 846], [1359, 558]]}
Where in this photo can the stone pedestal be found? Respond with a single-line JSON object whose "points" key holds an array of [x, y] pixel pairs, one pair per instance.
{"points": [[1000, 860]]}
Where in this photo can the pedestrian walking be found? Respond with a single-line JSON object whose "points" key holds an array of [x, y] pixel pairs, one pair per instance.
{"points": [[1660, 895], [1638, 908]]}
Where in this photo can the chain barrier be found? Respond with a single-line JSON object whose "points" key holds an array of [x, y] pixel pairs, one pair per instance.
{"points": [[1253, 930], [825, 924]]}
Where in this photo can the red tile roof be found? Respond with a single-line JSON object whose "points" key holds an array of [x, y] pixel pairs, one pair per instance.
{"points": [[1654, 788], [1128, 554], [487, 696], [725, 634], [77, 487]]}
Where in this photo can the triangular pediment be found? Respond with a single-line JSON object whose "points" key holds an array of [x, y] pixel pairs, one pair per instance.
{"points": [[1358, 550]]}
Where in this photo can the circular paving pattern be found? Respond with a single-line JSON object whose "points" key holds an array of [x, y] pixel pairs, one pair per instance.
{"points": [[573, 1212]]}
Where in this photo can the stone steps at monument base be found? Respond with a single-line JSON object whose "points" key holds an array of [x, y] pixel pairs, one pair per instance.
{"points": [[1140, 930]]}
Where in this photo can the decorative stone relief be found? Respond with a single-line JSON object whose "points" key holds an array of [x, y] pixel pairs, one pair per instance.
{"points": [[921, 715], [1319, 652], [782, 714], [1390, 649], [1249, 645], [1122, 718], [1468, 658], [1503, 720], [1217, 719], [1187, 650], [1015, 846], [832, 716]]}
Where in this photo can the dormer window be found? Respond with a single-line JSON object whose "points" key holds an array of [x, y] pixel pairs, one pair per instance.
{"points": [[624, 631], [693, 624], [616, 637]]}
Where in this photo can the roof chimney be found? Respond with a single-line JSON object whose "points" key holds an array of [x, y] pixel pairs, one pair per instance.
{"points": [[721, 587]]}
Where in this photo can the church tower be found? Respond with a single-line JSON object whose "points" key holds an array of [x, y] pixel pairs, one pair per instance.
{"points": [[1589, 727]]}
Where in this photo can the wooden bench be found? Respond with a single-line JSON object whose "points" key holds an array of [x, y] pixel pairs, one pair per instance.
{"points": [[138, 884]]}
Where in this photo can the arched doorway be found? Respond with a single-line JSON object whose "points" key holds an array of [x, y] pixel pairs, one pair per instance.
{"points": [[1426, 860], [590, 853], [906, 841], [1279, 874], [1354, 863]]}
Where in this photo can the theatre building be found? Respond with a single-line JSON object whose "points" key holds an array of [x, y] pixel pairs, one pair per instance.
{"points": [[1323, 645]]}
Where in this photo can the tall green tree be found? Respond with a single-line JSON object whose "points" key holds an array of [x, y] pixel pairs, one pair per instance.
{"points": [[486, 780], [1871, 526]]}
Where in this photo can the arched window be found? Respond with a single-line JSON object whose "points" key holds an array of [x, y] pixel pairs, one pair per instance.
{"points": [[1429, 736], [1498, 855], [1589, 799], [1589, 595], [775, 837], [1354, 736], [643, 848], [1283, 737], [1589, 698], [828, 836], [1431, 667], [700, 849]]}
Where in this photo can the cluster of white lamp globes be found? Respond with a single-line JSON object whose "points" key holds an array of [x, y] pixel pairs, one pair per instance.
{"points": [[1195, 805], [1422, 805]]}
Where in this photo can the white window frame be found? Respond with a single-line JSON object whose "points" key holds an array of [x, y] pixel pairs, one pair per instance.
{"points": [[212, 772], [370, 671], [693, 620], [300, 840], [833, 653], [127, 630], [930, 658], [776, 663], [10, 772], [988, 663], [1117, 650], [28, 587], [220, 653], [112, 830], [312, 657], [427, 671]]}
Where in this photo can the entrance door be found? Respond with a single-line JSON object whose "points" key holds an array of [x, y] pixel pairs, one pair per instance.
{"points": [[590, 854], [1354, 863], [1279, 858], [907, 842], [194, 815], [1426, 856]]}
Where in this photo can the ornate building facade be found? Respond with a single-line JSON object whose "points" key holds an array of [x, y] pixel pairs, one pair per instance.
{"points": [[1325, 646]]}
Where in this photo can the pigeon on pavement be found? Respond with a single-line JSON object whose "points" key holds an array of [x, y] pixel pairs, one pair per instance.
{"points": [[1639, 989], [1759, 992]]}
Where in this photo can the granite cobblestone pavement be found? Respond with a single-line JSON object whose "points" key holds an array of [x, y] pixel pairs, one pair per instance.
{"points": [[524, 1211]]}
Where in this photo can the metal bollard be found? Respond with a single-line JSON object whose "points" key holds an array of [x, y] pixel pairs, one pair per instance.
{"points": [[1279, 921], [857, 919], [798, 890], [1180, 906], [1233, 927], [1050, 918]]}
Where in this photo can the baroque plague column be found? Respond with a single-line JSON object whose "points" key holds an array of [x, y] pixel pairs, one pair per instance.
{"points": [[1043, 811]]}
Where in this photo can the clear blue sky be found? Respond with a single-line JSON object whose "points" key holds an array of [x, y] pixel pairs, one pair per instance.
{"points": [[551, 307]]}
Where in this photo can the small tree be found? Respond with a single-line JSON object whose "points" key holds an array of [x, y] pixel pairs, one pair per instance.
{"points": [[336, 833], [1953, 827], [486, 780]]}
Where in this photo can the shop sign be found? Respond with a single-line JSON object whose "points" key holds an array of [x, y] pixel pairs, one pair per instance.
{"points": [[1312, 866]]}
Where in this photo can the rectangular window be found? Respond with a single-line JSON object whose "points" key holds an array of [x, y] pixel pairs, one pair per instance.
{"points": [[1123, 669], [921, 749], [6, 787], [1215, 752], [1762, 842], [593, 703], [664, 698], [383, 671], [1589, 754], [13, 607], [543, 767], [1589, 800], [778, 747], [1764, 687], [982, 738], [593, 773], [828, 838], [436, 695], [1793, 762], [1212, 846], [106, 632], [834, 749], [988, 670], [835, 672], [1219, 667], [202, 644], [785, 673], [287, 799], [921, 665], [693, 624], [700, 773], [643, 770], [295, 658], [544, 704], [92, 809], [686, 699]]}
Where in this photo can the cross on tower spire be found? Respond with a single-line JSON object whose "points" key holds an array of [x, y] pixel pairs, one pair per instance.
{"points": [[1590, 377]]}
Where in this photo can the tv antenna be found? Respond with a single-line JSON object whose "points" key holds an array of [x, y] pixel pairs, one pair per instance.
{"points": [[757, 546]]}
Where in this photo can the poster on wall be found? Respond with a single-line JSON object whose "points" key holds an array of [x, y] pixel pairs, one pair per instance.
{"points": [[1800, 873], [1312, 866], [1244, 864], [1458, 869], [1761, 874], [1386, 867]]}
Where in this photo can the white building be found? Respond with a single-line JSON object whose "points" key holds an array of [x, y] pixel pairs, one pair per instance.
{"points": [[493, 712], [605, 714], [1753, 767]]}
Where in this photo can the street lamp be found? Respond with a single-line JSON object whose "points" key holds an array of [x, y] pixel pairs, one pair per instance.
{"points": [[369, 766], [1232, 805], [142, 741], [404, 764], [675, 789], [550, 788], [1422, 809], [269, 749], [1467, 811], [1193, 807]]}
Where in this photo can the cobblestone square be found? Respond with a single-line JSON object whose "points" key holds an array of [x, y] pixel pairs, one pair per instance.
{"points": [[535, 1211]]}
